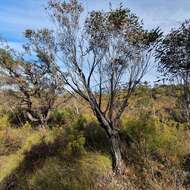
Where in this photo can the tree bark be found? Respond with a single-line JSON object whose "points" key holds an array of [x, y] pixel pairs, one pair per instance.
{"points": [[115, 141], [117, 160]]}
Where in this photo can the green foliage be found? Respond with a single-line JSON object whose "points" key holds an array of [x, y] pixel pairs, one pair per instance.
{"points": [[96, 138], [74, 138], [61, 117], [57, 117], [73, 167], [173, 51], [150, 136]]}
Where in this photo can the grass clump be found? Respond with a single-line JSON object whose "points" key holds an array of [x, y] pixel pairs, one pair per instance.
{"points": [[30, 138], [84, 173], [4, 122], [14, 160]]}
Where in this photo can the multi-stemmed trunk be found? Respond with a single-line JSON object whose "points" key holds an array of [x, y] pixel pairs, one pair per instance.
{"points": [[115, 143], [41, 120], [112, 132], [117, 160]]}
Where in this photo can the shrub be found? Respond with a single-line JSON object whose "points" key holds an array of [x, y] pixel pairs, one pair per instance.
{"points": [[57, 118], [60, 117], [151, 137], [74, 138], [96, 138]]}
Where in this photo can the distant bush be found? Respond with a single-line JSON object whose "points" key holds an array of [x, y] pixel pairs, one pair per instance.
{"points": [[61, 117], [58, 117]]}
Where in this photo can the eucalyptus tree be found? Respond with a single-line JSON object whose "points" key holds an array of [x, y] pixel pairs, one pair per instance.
{"points": [[35, 83], [174, 62], [102, 58]]}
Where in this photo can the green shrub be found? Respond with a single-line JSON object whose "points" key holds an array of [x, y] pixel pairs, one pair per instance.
{"points": [[60, 117], [57, 118], [74, 138], [151, 136], [96, 138]]}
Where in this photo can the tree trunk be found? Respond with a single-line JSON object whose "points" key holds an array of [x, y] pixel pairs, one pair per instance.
{"points": [[117, 161], [115, 142], [43, 126]]}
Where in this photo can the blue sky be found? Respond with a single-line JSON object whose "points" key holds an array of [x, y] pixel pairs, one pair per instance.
{"points": [[18, 15]]}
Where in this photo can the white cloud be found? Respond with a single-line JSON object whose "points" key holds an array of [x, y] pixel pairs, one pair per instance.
{"points": [[164, 13]]}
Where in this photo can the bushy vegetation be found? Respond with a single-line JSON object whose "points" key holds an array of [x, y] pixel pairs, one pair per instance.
{"points": [[152, 136], [73, 153], [84, 173]]}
